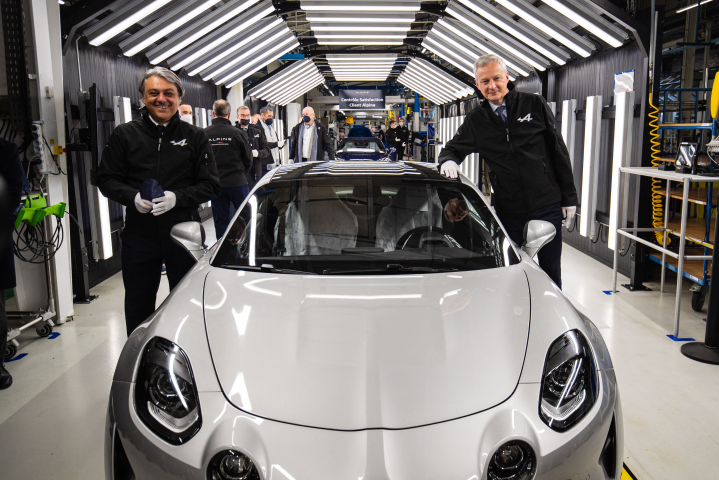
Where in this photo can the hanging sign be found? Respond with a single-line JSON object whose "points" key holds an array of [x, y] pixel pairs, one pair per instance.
{"points": [[362, 100]]}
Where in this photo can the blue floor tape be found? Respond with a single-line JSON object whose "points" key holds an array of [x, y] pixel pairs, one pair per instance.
{"points": [[53, 335], [680, 339], [17, 357], [609, 292]]}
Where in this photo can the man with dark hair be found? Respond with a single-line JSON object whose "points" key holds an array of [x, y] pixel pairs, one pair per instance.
{"points": [[11, 186], [266, 121], [233, 156], [258, 143], [161, 169]]}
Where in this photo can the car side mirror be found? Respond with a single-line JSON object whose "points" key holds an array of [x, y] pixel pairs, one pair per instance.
{"points": [[191, 237], [392, 154], [537, 233]]}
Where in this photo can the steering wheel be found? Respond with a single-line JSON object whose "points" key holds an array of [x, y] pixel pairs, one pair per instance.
{"points": [[428, 235]]}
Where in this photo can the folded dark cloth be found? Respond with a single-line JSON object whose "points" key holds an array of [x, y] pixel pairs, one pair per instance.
{"points": [[151, 189]]}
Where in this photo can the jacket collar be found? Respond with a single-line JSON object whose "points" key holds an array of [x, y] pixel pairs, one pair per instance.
{"points": [[150, 125], [221, 121]]}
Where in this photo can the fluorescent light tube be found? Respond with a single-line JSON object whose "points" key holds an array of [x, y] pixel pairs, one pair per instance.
{"points": [[357, 28], [283, 77], [235, 32], [118, 27], [466, 66], [178, 42], [359, 8], [229, 64], [536, 20], [359, 36], [352, 42], [435, 91], [352, 19], [589, 25], [431, 69], [235, 47], [170, 27], [251, 67]]}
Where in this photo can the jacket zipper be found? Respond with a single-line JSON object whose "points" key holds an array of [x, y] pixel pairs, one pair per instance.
{"points": [[519, 172], [159, 144]]}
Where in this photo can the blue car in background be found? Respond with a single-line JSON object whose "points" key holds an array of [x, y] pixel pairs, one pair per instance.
{"points": [[364, 148]]}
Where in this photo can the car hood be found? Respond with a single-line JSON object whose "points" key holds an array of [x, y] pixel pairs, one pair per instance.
{"points": [[358, 352]]}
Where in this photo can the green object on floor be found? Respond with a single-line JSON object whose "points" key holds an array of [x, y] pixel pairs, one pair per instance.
{"points": [[9, 293], [36, 209]]}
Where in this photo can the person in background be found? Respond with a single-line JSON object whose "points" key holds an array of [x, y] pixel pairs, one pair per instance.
{"points": [[186, 113], [258, 143], [309, 139], [530, 183], [11, 188], [379, 132], [266, 122], [402, 135], [392, 137], [233, 156], [161, 169]]}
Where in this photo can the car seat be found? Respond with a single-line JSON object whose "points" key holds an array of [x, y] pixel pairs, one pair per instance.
{"points": [[412, 207]]}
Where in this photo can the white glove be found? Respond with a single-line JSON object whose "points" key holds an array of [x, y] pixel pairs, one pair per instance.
{"points": [[568, 214], [396, 139], [450, 169], [142, 205], [404, 144], [164, 204], [291, 160], [281, 143], [255, 153]]}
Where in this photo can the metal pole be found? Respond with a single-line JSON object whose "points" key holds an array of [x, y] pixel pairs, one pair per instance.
{"points": [[680, 267], [664, 244]]}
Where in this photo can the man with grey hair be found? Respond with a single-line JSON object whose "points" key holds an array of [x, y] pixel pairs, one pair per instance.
{"points": [[161, 169], [310, 139], [233, 156], [266, 121], [531, 173], [258, 142]]}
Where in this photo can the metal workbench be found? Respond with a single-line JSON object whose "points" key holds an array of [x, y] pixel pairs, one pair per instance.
{"points": [[685, 179]]}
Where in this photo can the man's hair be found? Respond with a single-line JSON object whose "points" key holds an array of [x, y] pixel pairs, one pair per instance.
{"points": [[221, 108], [266, 109], [485, 60], [164, 73], [243, 107]]}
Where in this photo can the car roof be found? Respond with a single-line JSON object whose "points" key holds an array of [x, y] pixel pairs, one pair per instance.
{"points": [[419, 170]]}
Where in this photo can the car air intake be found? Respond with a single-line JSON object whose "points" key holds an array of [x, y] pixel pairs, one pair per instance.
{"points": [[121, 468], [608, 458]]}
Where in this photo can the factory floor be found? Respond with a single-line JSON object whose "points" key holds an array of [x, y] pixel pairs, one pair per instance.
{"points": [[52, 418]]}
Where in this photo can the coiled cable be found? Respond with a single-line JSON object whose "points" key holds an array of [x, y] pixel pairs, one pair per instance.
{"points": [[657, 197]]}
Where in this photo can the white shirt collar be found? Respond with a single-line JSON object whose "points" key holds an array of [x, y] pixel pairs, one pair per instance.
{"points": [[495, 107], [153, 121]]}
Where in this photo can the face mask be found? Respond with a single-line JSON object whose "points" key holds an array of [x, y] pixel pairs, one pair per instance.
{"points": [[245, 122], [306, 119], [401, 124], [268, 122], [186, 118]]}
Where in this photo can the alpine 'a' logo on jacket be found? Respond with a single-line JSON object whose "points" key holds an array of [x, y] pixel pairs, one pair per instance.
{"points": [[526, 118], [181, 143]]}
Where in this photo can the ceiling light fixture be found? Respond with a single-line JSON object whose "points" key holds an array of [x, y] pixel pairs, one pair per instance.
{"points": [[426, 87], [353, 19], [295, 70], [226, 64], [197, 30], [438, 49], [593, 23], [433, 72], [359, 36], [352, 42], [130, 14], [358, 28], [270, 56], [689, 7]]}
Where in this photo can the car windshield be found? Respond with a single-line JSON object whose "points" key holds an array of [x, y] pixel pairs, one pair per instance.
{"points": [[364, 223], [362, 146]]}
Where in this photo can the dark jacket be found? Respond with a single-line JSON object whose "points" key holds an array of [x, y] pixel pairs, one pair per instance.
{"points": [[181, 161], [322, 138], [11, 175], [529, 163], [397, 132], [258, 141], [231, 150]]}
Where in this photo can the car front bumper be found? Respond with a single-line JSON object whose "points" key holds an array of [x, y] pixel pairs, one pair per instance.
{"points": [[459, 449]]}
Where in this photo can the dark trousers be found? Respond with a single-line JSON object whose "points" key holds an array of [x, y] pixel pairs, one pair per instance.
{"points": [[252, 181], [142, 259], [550, 256], [221, 206], [3, 326]]}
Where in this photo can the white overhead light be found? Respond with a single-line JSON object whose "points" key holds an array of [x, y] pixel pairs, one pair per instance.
{"points": [[534, 17], [454, 42], [360, 64], [423, 87], [357, 28], [145, 9], [439, 92], [359, 36], [483, 46], [421, 90], [297, 90], [295, 71], [484, 32], [432, 84], [689, 7], [487, 12], [282, 88], [359, 8], [235, 47], [578, 16], [170, 27], [424, 65], [234, 33], [189, 35], [466, 66], [312, 18], [269, 56], [229, 64], [353, 42]]}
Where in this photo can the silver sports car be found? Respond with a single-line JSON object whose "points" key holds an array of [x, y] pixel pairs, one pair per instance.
{"points": [[365, 320]]}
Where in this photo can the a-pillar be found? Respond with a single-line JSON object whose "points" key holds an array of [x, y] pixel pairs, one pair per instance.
{"points": [[47, 41]]}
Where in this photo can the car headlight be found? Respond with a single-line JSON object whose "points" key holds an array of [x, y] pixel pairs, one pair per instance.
{"points": [[569, 382], [165, 392]]}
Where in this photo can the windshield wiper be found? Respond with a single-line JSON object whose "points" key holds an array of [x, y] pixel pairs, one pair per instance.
{"points": [[266, 268], [392, 267]]}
